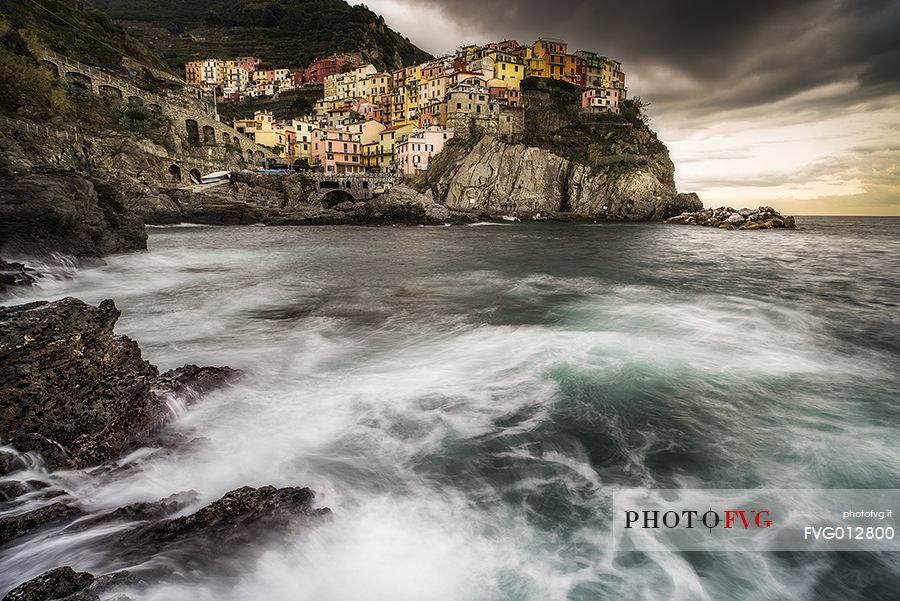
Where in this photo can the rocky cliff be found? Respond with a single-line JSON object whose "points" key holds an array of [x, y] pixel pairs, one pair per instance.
{"points": [[496, 177], [563, 163]]}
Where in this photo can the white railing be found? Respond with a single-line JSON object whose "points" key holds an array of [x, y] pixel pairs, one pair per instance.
{"points": [[30, 127]]}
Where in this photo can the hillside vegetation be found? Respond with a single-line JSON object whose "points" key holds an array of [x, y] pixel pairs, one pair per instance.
{"points": [[284, 33], [75, 29]]}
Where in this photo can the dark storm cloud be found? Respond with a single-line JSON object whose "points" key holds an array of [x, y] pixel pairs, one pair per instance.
{"points": [[737, 54]]}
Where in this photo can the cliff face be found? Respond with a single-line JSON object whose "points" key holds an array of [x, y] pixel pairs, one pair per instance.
{"points": [[593, 166], [87, 196], [499, 177]]}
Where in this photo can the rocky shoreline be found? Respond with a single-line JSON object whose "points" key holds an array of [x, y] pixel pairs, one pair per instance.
{"points": [[74, 395], [727, 218]]}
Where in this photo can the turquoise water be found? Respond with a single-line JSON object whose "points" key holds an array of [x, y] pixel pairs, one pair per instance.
{"points": [[467, 399]]}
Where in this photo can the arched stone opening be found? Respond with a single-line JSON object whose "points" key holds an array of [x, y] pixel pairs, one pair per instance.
{"points": [[209, 135], [111, 92], [336, 197], [259, 155], [82, 81], [51, 66], [226, 138], [348, 184], [156, 107], [250, 155], [175, 173], [135, 101], [365, 185], [196, 178], [193, 131]]}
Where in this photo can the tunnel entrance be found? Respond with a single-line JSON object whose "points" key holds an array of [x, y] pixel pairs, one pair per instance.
{"points": [[336, 197]]}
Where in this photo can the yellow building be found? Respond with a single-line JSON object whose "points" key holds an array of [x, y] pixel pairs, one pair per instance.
{"points": [[369, 131], [411, 99], [369, 157], [193, 72], [304, 138], [346, 85], [380, 154], [508, 68], [208, 73], [573, 70], [553, 53], [374, 87]]}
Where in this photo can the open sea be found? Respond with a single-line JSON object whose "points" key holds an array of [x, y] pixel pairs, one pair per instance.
{"points": [[467, 399]]}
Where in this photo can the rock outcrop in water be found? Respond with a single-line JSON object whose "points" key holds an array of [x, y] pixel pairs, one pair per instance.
{"points": [[15, 274], [727, 218], [74, 391], [21, 524], [243, 517], [59, 583], [68, 213]]}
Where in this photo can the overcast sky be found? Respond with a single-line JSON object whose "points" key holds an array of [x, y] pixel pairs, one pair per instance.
{"points": [[784, 102]]}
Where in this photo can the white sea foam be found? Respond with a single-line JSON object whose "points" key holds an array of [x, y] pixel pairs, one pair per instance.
{"points": [[466, 424]]}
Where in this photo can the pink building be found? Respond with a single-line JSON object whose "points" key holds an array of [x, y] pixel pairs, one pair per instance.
{"points": [[247, 63], [414, 153], [336, 151], [600, 100], [321, 68]]}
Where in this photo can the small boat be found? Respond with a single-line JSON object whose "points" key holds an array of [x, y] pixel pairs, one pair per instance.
{"points": [[216, 177]]}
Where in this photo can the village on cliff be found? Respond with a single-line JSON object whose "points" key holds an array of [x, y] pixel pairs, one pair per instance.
{"points": [[395, 122]]}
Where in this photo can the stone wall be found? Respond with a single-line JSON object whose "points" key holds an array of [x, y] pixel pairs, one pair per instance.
{"points": [[509, 123], [193, 118]]}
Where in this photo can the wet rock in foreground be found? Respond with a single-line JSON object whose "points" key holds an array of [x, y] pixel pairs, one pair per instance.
{"points": [[77, 393], [242, 517], [66, 584], [727, 218], [12, 527], [15, 274]]}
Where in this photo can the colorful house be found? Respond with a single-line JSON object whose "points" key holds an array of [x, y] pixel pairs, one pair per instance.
{"points": [[336, 151], [553, 53], [507, 67], [381, 156], [321, 68], [600, 100], [413, 153]]}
